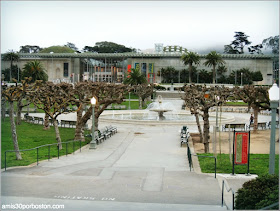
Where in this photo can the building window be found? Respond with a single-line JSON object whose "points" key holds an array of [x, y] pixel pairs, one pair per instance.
{"points": [[66, 70]]}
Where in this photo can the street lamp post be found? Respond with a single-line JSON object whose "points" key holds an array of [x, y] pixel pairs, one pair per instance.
{"points": [[92, 144], [129, 101], [274, 98], [241, 79]]}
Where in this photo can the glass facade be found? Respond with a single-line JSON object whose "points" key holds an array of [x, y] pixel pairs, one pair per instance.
{"points": [[105, 70]]}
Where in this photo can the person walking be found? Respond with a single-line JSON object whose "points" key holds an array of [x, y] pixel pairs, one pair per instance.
{"points": [[251, 119]]}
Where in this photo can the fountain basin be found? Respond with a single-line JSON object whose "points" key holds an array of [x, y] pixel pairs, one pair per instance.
{"points": [[144, 117]]}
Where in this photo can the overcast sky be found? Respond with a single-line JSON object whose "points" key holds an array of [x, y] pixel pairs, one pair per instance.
{"points": [[192, 24]]}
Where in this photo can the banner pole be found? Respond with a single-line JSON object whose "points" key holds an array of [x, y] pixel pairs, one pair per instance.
{"points": [[233, 152], [248, 174]]}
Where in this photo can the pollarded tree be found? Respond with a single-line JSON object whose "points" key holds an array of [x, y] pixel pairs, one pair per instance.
{"points": [[54, 99], [212, 60], [23, 88], [199, 99], [143, 91], [257, 98], [35, 70], [12, 94], [190, 58], [105, 93]]}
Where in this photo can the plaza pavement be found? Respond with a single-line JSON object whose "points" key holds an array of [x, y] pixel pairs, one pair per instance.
{"points": [[142, 167]]}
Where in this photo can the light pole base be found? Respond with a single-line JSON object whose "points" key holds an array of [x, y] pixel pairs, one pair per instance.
{"points": [[92, 145]]}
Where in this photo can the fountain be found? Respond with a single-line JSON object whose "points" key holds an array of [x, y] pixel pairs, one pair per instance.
{"points": [[160, 107], [159, 112]]}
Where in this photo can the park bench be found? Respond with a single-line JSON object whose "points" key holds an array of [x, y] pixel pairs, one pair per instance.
{"points": [[241, 126], [109, 107], [185, 135], [112, 129], [106, 133], [261, 125], [38, 119], [269, 124], [29, 118], [70, 123], [51, 121], [99, 137], [34, 110]]}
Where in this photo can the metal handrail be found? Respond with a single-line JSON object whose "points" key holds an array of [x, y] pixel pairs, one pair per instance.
{"points": [[270, 206], [190, 159], [227, 189], [46, 145]]}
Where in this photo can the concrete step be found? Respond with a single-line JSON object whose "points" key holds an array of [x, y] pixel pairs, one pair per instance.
{"points": [[107, 204]]}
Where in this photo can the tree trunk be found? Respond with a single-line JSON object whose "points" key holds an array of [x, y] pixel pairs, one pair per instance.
{"points": [[46, 122], [3, 108], [140, 103], [143, 102], [57, 133], [14, 131], [79, 133], [190, 73], [206, 130], [19, 109], [199, 127], [256, 113], [214, 75]]}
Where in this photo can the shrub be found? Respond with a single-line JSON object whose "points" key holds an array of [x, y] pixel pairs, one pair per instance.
{"points": [[258, 193], [159, 87]]}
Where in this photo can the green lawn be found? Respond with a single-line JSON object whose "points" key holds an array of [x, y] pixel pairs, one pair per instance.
{"points": [[259, 164], [30, 136], [236, 104], [133, 104]]}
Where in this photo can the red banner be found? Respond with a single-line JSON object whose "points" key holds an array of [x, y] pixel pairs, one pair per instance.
{"points": [[129, 68], [241, 147]]}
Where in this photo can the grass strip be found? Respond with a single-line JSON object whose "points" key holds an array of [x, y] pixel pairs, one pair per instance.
{"points": [[259, 164]]}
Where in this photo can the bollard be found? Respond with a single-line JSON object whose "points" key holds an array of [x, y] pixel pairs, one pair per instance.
{"points": [[5, 160], [215, 166], [49, 151], [57, 151], [223, 193], [232, 201], [80, 146], [73, 147], [37, 156]]}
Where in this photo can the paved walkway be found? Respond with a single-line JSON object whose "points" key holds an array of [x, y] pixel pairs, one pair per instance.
{"points": [[139, 168], [142, 167]]}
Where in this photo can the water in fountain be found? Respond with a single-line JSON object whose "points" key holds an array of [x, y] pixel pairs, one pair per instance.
{"points": [[164, 110]]}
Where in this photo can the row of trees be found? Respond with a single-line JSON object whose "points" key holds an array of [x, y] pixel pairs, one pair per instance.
{"points": [[241, 40], [213, 59], [237, 46], [99, 47], [63, 98], [199, 99], [57, 99], [170, 74], [33, 69]]}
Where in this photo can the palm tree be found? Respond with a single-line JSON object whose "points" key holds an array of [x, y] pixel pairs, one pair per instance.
{"points": [[135, 77], [10, 56], [190, 58], [35, 70], [214, 59]]}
